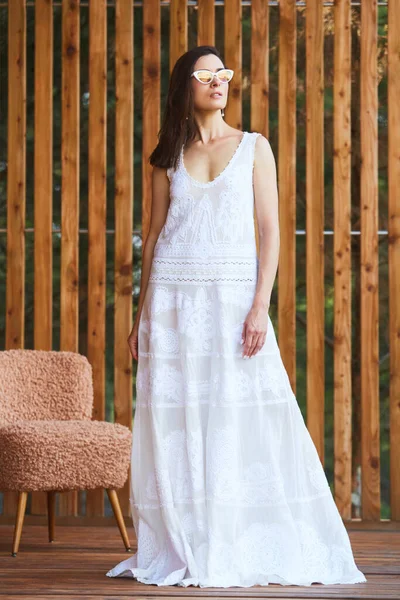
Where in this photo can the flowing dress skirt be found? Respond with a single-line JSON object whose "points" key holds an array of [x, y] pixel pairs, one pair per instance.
{"points": [[227, 488]]}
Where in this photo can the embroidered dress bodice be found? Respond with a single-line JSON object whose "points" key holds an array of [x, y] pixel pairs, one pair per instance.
{"points": [[210, 225]]}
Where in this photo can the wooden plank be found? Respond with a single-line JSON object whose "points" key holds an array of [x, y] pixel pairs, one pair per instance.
{"points": [[342, 258], [151, 102], [206, 23], [287, 188], [259, 71], [123, 221], [394, 249], [70, 157], [16, 188], [82, 555], [233, 60], [97, 219], [43, 193], [369, 309], [315, 223], [43, 166], [178, 29]]}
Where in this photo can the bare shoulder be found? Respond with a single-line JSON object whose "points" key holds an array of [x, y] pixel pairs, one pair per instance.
{"points": [[159, 174], [158, 171], [263, 154], [263, 150]]}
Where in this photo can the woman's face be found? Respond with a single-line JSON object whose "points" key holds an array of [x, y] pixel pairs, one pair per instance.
{"points": [[209, 96]]}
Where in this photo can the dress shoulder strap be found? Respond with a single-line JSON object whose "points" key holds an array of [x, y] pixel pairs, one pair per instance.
{"points": [[252, 146]]}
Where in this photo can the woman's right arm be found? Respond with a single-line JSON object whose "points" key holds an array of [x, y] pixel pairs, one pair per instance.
{"points": [[159, 211]]}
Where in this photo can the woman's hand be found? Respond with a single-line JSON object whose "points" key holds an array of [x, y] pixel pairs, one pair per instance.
{"points": [[255, 330], [133, 339]]}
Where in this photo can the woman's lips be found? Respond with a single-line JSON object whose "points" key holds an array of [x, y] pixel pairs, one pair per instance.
{"points": [[216, 95]]}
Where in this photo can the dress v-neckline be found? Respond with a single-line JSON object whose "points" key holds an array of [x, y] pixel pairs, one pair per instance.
{"points": [[223, 172]]}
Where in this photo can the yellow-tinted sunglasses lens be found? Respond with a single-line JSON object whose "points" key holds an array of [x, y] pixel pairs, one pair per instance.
{"points": [[206, 76], [224, 75]]}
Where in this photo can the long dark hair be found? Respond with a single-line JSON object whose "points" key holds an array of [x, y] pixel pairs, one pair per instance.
{"points": [[176, 129]]}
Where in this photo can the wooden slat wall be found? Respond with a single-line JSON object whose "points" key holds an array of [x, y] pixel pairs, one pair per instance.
{"points": [[287, 188], [315, 223], [123, 221], [369, 309], [342, 258], [16, 188], [394, 250], [97, 219], [43, 190], [70, 157], [123, 203]]}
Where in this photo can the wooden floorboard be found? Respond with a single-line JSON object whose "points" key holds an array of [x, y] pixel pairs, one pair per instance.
{"points": [[74, 568]]}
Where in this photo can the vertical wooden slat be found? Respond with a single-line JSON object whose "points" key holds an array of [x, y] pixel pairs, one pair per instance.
{"points": [[370, 454], [342, 258], [233, 60], [69, 276], [178, 25], [206, 23], [394, 249], [151, 101], [259, 98], [43, 214], [123, 220], [16, 187], [315, 223], [97, 219], [287, 188]]}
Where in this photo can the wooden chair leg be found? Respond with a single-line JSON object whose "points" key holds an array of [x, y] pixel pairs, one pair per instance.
{"points": [[112, 494], [51, 514], [19, 520]]}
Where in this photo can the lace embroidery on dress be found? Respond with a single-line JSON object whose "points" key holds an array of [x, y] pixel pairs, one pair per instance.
{"points": [[226, 486]]}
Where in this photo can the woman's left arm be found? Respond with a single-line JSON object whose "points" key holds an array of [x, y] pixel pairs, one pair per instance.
{"points": [[267, 212]]}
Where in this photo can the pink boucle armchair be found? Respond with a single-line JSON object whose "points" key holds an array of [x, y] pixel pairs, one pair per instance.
{"points": [[48, 441]]}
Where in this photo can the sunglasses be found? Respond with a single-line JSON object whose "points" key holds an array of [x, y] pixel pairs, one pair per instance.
{"points": [[206, 76]]}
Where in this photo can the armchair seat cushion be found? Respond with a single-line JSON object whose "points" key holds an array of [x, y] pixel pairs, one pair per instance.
{"points": [[63, 455]]}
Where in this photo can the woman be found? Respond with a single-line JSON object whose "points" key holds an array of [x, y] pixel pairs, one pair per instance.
{"points": [[227, 488]]}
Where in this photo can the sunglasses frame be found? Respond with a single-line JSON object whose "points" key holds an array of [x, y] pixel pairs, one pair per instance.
{"points": [[194, 74]]}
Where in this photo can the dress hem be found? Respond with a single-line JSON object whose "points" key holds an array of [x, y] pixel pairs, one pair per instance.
{"points": [[358, 578]]}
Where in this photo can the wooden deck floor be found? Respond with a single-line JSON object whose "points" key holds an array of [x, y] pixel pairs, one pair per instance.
{"points": [[74, 568]]}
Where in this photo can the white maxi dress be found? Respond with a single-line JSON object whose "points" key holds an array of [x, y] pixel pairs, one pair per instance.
{"points": [[227, 488]]}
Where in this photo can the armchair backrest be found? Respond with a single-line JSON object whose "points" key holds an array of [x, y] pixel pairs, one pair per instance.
{"points": [[44, 384]]}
